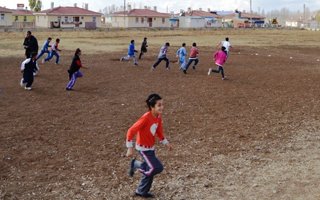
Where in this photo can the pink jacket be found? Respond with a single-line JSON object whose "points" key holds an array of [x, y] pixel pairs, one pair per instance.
{"points": [[220, 57]]}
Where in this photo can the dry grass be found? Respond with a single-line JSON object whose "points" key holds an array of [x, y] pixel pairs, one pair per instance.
{"points": [[93, 42]]}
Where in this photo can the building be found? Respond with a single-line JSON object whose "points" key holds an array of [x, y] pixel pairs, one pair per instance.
{"points": [[140, 18], [199, 19], [23, 18], [68, 17], [5, 17]]}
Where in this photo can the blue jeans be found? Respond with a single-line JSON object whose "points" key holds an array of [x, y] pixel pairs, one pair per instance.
{"points": [[190, 61], [51, 54]]}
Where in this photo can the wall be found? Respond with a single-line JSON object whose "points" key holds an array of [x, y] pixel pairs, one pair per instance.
{"points": [[7, 21]]}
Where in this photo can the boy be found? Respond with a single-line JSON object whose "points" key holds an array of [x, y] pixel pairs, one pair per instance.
{"points": [[27, 68], [194, 52], [162, 56], [54, 52], [182, 53], [131, 51], [45, 48], [144, 46]]}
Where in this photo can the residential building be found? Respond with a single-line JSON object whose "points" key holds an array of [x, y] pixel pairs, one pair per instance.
{"points": [[5, 17], [199, 19], [22, 17], [68, 17], [139, 18]]}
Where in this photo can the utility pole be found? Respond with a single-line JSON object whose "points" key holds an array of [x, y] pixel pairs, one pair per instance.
{"points": [[124, 13], [251, 6]]}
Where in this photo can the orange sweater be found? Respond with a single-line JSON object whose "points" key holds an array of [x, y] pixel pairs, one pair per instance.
{"points": [[146, 128]]}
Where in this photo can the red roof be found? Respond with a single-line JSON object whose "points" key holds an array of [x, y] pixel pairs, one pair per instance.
{"points": [[200, 13], [141, 13], [5, 10], [22, 12], [69, 11]]}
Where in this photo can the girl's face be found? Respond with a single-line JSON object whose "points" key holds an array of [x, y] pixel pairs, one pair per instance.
{"points": [[158, 108]]}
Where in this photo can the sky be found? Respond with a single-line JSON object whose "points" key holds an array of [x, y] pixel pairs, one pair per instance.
{"points": [[171, 5]]}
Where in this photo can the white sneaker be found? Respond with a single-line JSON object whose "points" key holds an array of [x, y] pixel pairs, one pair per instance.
{"points": [[28, 88], [42, 61], [21, 83], [225, 78], [152, 68], [121, 59], [35, 73], [209, 72]]}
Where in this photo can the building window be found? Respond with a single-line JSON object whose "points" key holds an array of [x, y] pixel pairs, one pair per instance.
{"points": [[16, 18], [94, 19], [163, 20], [65, 19], [154, 19], [2, 17], [81, 17], [137, 20], [142, 20], [24, 18]]}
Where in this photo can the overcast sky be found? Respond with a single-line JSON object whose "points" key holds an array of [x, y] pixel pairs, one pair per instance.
{"points": [[176, 5]]}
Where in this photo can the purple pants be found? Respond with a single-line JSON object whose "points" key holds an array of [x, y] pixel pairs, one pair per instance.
{"points": [[73, 78]]}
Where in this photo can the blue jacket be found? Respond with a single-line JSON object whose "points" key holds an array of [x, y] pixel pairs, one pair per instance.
{"points": [[131, 50]]}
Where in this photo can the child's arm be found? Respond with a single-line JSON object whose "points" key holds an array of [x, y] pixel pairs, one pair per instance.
{"points": [[163, 140], [22, 67], [133, 130]]}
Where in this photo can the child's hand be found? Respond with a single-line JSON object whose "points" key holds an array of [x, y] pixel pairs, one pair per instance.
{"points": [[129, 152]]}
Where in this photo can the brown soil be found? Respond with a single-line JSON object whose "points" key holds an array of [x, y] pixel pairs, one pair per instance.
{"points": [[253, 136]]}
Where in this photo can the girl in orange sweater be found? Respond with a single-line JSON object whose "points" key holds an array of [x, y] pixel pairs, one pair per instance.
{"points": [[147, 128]]}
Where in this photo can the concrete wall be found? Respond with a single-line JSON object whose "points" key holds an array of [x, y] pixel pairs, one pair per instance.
{"points": [[7, 21], [45, 21], [30, 18], [139, 22]]}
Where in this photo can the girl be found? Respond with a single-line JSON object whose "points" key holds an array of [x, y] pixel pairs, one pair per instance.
{"points": [[27, 68], [220, 58], [54, 52], [74, 71], [147, 128]]}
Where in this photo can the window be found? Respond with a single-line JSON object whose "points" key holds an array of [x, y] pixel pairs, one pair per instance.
{"points": [[24, 18], [154, 19], [94, 19], [59, 19], [16, 18], [2, 17], [65, 19], [163, 20], [137, 20], [142, 20]]}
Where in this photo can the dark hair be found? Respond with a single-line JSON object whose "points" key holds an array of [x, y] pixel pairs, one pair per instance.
{"points": [[77, 51], [29, 32], [34, 54], [152, 100], [57, 40], [144, 38], [183, 44], [194, 44], [167, 44], [132, 41], [49, 38], [227, 39], [223, 48]]}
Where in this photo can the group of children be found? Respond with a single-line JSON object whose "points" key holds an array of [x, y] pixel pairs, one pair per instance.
{"points": [[220, 57], [30, 67]]}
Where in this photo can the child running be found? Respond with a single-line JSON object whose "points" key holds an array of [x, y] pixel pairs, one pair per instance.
{"points": [[74, 71], [144, 46], [131, 52], [182, 53], [194, 53], [27, 68], [220, 58], [54, 52], [45, 48], [162, 56], [147, 128]]}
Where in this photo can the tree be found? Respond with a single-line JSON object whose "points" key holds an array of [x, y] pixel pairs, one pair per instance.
{"points": [[35, 5]]}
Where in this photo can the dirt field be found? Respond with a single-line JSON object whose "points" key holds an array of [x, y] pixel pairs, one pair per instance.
{"points": [[253, 136]]}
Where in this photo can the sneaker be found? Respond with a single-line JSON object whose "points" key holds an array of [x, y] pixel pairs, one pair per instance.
{"points": [[42, 61], [209, 72], [22, 83], [194, 67], [28, 88], [35, 73], [68, 89], [135, 63], [185, 71], [152, 68], [147, 195], [131, 168], [121, 59], [224, 78], [167, 68]]}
